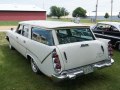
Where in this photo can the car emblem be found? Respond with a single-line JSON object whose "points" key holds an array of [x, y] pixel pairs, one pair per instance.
{"points": [[84, 45]]}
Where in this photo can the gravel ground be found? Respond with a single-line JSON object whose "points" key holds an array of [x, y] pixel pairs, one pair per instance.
{"points": [[6, 27]]}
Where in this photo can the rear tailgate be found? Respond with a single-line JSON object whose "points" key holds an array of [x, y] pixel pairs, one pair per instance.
{"points": [[82, 53]]}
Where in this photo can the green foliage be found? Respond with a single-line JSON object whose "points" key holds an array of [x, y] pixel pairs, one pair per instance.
{"points": [[118, 16], [106, 15], [58, 11], [80, 12]]}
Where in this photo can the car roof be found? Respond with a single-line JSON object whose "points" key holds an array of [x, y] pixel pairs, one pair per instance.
{"points": [[116, 24], [52, 24]]}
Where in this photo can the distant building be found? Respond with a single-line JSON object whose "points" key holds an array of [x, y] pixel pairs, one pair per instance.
{"points": [[16, 12]]}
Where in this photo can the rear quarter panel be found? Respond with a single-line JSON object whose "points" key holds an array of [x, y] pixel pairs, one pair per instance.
{"points": [[39, 51]]}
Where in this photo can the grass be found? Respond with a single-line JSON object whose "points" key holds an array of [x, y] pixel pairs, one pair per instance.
{"points": [[82, 20], [16, 74], [2, 38], [69, 20], [15, 23], [8, 23]]}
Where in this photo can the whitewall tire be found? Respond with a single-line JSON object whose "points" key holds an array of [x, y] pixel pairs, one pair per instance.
{"points": [[11, 47], [34, 66]]}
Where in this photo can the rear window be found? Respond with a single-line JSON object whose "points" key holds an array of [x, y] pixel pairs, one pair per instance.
{"points": [[74, 35]]}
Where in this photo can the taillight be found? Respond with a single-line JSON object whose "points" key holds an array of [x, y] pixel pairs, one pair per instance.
{"points": [[110, 50], [56, 61]]}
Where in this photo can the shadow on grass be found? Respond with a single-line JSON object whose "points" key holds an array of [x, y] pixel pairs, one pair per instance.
{"points": [[16, 73]]}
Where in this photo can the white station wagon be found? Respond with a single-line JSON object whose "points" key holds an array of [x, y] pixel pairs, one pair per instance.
{"points": [[60, 50]]}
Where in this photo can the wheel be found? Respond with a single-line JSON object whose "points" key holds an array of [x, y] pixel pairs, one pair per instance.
{"points": [[34, 66], [11, 47]]}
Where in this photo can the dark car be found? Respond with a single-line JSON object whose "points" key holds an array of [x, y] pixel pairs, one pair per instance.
{"points": [[108, 30]]}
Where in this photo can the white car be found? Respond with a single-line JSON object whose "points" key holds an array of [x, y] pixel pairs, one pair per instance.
{"points": [[60, 50]]}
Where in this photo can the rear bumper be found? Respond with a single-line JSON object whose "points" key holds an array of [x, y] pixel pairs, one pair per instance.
{"points": [[73, 73]]}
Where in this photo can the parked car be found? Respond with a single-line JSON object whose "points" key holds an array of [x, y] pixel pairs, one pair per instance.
{"points": [[108, 30], [60, 50]]}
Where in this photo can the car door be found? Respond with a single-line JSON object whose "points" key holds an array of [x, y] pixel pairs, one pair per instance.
{"points": [[99, 30], [113, 34], [113, 31], [22, 39], [15, 37]]}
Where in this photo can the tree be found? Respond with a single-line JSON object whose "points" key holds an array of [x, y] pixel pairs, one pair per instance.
{"points": [[58, 11], [106, 15], [80, 12], [119, 15]]}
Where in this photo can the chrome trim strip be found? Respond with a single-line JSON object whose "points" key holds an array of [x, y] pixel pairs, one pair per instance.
{"points": [[107, 36], [47, 56]]}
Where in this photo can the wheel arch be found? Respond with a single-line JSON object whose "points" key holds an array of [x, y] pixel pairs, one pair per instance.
{"points": [[7, 38], [42, 67], [29, 56], [117, 43]]}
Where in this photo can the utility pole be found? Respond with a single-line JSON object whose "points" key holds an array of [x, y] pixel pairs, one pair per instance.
{"points": [[96, 11], [111, 8], [43, 5]]}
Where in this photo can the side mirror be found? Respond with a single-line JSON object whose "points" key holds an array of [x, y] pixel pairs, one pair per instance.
{"points": [[12, 29]]}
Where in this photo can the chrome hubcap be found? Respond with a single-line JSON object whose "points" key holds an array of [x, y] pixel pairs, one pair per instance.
{"points": [[33, 65], [10, 46]]}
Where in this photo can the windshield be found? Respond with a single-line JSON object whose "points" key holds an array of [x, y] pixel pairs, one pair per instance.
{"points": [[74, 35]]}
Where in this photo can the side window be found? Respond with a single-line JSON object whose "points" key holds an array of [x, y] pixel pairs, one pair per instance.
{"points": [[62, 33], [114, 29], [100, 27], [42, 36], [25, 31], [19, 29], [104, 27]]}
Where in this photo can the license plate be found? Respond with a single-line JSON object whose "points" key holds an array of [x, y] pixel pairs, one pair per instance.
{"points": [[88, 69]]}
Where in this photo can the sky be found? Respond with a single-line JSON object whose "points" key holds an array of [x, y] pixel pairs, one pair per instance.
{"points": [[89, 5]]}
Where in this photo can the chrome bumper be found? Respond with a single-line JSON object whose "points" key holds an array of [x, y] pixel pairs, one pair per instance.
{"points": [[72, 74]]}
